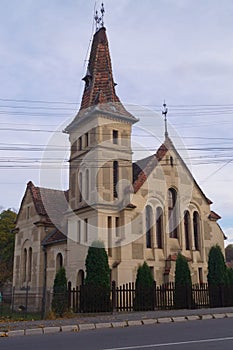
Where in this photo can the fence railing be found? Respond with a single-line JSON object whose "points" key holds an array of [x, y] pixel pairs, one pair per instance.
{"points": [[125, 298]]}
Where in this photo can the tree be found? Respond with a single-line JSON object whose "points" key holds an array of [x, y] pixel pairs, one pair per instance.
{"points": [[183, 284], [145, 291], [217, 276], [95, 294], [60, 297], [7, 240], [216, 267]]}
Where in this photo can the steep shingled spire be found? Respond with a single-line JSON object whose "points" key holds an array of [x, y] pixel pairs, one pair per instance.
{"points": [[99, 92], [99, 77]]}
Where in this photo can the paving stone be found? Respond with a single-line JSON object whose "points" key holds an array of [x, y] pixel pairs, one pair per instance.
{"points": [[48, 330], [229, 314], [33, 331], [149, 321], [86, 326], [193, 317], [69, 328], [119, 324], [207, 317], [103, 325], [134, 323], [179, 319], [219, 315], [164, 319], [16, 333]]}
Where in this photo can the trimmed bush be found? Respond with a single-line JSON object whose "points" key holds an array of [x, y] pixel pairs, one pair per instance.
{"points": [[145, 289], [60, 295], [95, 294], [183, 284]]}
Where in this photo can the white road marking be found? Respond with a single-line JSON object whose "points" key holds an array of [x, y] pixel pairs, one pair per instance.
{"points": [[172, 344]]}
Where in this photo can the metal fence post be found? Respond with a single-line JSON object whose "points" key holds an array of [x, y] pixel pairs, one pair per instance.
{"points": [[113, 295]]}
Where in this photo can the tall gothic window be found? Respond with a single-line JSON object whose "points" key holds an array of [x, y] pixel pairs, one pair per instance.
{"points": [[159, 227], [172, 213], [115, 178], [149, 224], [87, 185], [187, 229], [196, 229], [80, 182], [29, 264]]}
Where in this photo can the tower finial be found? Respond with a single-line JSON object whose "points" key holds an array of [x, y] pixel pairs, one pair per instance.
{"points": [[99, 20], [164, 112]]}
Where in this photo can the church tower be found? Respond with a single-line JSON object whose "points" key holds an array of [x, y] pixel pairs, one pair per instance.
{"points": [[101, 155]]}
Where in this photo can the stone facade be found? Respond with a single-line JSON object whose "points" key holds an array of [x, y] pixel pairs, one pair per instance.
{"points": [[144, 211]]}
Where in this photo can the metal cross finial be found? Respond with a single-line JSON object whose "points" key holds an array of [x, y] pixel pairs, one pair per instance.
{"points": [[99, 20], [164, 112]]}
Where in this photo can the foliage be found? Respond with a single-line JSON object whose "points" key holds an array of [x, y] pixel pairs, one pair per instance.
{"points": [[60, 297], [145, 291], [229, 253], [7, 239], [95, 294], [216, 267], [97, 268], [183, 284]]}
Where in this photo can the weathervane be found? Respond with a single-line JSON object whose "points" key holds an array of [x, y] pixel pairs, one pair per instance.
{"points": [[99, 20], [164, 112]]}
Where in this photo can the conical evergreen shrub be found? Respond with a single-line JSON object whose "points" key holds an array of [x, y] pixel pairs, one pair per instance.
{"points": [[144, 289], [95, 294], [60, 295], [183, 284]]}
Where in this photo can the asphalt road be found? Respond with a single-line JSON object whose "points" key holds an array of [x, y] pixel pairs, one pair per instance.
{"points": [[190, 335]]}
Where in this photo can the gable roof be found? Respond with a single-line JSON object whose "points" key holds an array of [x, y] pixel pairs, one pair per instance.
{"points": [[48, 203], [54, 237], [148, 164]]}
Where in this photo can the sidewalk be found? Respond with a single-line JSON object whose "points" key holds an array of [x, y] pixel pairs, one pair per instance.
{"points": [[119, 319]]}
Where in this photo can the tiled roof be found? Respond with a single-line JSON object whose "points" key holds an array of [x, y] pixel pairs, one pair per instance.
{"points": [[49, 202], [143, 168], [214, 216], [99, 91], [53, 237]]}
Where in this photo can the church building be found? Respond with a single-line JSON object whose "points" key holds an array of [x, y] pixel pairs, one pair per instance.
{"points": [[149, 210]]}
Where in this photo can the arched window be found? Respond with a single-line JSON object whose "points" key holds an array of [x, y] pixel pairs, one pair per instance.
{"points": [[159, 227], [187, 229], [172, 212], [87, 185], [80, 182], [149, 224], [29, 264], [59, 261], [196, 229], [115, 178], [24, 265]]}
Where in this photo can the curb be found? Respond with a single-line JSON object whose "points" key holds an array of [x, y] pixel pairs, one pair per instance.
{"points": [[118, 324]]}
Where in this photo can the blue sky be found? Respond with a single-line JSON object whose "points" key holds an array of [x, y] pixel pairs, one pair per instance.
{"points": [[179, 50]]}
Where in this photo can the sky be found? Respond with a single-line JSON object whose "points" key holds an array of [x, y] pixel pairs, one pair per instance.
{"points": [[177, 50]]}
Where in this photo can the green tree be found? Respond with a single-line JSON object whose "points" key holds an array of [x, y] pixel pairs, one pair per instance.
{"points": [[145, 291], [217, 277], [7, 240], [183, 284], [60, 296], [95, 294], [216, 267]]}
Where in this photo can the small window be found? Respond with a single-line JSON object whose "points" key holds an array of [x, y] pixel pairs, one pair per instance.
{"points": [[171, 161], [80, 143], [118, 234], [28, 213], [115, 178], [86, 139], [115, 136], [85, 230]]}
